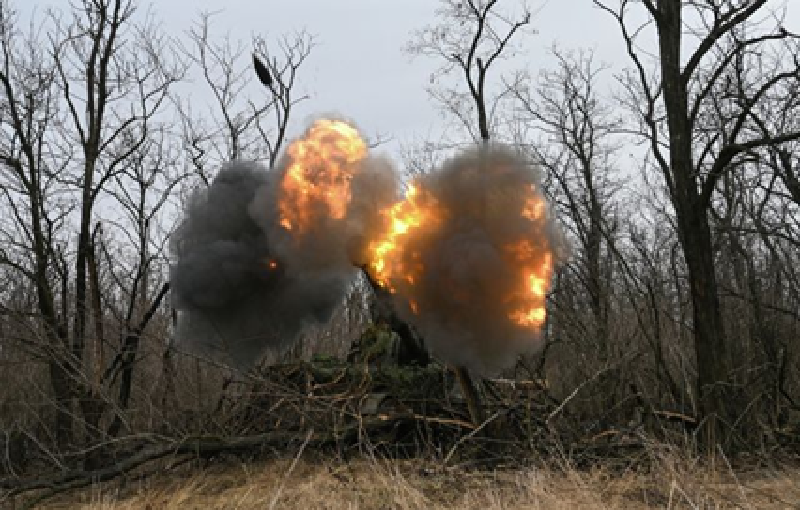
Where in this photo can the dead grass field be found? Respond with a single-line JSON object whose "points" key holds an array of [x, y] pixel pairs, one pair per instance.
{"points": [[377, 484]]}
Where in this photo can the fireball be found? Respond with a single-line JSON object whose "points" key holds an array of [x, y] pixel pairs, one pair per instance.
{"points": [[532, 292], [395, 261], [424, 222], [531, 258], [316, 182], [468, 257]]}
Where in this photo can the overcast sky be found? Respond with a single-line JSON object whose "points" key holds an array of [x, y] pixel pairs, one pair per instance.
{"points": [[359, 68]]}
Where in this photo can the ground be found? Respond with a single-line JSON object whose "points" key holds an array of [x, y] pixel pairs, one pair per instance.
{"points": [[310, 483]]}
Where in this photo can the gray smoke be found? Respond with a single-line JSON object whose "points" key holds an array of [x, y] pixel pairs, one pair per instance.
{"points": [[243, 284], [237, 298], [246, 283], [469, 276]]}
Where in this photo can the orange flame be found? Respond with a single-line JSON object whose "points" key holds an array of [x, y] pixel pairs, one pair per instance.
{"points": [[317, 178], [532, 294], [404, 220], [530, 258], [534, 208], [535, 267]]}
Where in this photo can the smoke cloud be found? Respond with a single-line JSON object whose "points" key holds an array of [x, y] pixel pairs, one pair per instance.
{"points": [[247, 281], [467, 253], [472, 260]]}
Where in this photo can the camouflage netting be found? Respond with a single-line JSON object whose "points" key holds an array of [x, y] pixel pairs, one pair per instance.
{"points": [[405, 409]]}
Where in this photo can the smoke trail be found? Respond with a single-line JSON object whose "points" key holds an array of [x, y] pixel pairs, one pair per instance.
{"points": [[469, 255]]}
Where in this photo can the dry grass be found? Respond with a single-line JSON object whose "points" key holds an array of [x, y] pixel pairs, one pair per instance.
{"points": [[364, 484]]}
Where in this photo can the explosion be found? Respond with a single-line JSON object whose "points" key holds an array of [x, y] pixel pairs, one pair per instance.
{"points": [[235, 296], [261, 254], [406, 219], [321, 198], [318, 174], [468, 255], [534, 286]]}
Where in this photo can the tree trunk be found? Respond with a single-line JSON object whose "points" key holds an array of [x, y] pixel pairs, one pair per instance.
{"points": [[84, 248], [709, 342], [483, 119], [694, 231], [594, 277], [58, 362], [60, 383], [127, 359]]}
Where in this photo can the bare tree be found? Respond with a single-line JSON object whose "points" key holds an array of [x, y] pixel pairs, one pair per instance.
{"points": [[143, 191], [82, 105], [30, 250], [239, 125], [756, 216], [577, 150], [470, 38], [570, 129], [283, 66], [670, 104]]}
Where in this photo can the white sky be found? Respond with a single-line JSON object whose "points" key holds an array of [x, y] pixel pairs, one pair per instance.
{"points": [[359, 68]]}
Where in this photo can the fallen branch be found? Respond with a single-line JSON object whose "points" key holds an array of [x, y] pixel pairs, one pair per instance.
{"points": [[199, 446]]}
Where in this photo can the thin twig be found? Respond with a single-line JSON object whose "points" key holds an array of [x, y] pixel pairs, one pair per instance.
{"points": [[470, 435]]}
